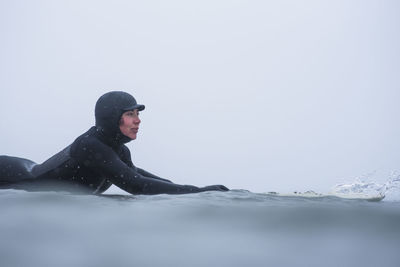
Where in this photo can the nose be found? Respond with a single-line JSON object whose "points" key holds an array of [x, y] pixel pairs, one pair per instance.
{"points": [[137, 120]]}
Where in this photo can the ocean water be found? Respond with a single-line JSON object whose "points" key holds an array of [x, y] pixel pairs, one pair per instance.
{"points": [[236, 228]]}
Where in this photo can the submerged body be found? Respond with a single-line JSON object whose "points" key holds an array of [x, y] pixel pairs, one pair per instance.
{"points": [[96, 159]]}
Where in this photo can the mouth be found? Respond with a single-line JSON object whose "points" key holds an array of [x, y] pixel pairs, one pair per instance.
{"points": [[135, 130]]}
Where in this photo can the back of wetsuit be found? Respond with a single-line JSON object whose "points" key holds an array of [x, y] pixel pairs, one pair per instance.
{"points": [[13, 170]]}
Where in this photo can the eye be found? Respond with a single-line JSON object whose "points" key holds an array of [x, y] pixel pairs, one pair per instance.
{"points": [[132, 113]]}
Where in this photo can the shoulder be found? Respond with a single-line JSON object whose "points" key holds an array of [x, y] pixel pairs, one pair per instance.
{"points": [[88, 143], [124, 153], [125, 150]]}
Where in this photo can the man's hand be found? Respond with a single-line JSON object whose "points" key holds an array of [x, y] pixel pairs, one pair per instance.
{"points": [[217, 187]]}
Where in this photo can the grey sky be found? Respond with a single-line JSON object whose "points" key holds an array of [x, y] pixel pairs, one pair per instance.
{"points": [[261, 95]]}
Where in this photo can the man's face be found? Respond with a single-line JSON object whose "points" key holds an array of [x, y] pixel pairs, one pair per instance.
{"points": [[129, 123]]}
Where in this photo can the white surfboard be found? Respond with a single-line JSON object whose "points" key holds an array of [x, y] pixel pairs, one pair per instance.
{"points": [[312, 194]]}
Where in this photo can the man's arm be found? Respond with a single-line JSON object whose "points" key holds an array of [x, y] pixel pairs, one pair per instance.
{"points": [[126, 157], [148, 174], [103, 159]]}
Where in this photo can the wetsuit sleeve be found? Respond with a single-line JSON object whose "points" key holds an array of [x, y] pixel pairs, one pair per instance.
{"points": [[126, 157], [148, 174], [101, 158]]}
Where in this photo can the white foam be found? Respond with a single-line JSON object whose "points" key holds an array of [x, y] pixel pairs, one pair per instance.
{"points": [[360, 188]]}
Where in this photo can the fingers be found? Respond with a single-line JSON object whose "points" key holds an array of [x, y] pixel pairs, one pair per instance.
{"points": [[215, 188], [224, 188]]}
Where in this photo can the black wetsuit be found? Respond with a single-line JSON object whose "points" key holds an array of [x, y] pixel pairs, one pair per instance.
{"points": [[94, 161]]}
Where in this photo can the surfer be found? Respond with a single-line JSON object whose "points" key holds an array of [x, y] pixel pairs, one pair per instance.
{"points": [[96, 159]]}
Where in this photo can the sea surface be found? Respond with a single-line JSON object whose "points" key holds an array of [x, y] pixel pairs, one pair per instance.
{"points": [[236, 228]]}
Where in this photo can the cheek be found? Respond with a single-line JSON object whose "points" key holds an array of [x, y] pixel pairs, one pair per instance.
{"points": [[122, 124], [124, 121]]}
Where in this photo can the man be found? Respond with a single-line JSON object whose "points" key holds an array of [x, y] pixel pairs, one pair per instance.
{"points": [[96, 159]]}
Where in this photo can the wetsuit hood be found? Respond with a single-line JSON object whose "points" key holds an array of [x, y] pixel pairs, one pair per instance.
{"points": [[108, 111]]}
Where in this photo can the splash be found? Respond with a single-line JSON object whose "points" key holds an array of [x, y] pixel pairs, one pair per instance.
{"points": [[361, 187]]}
